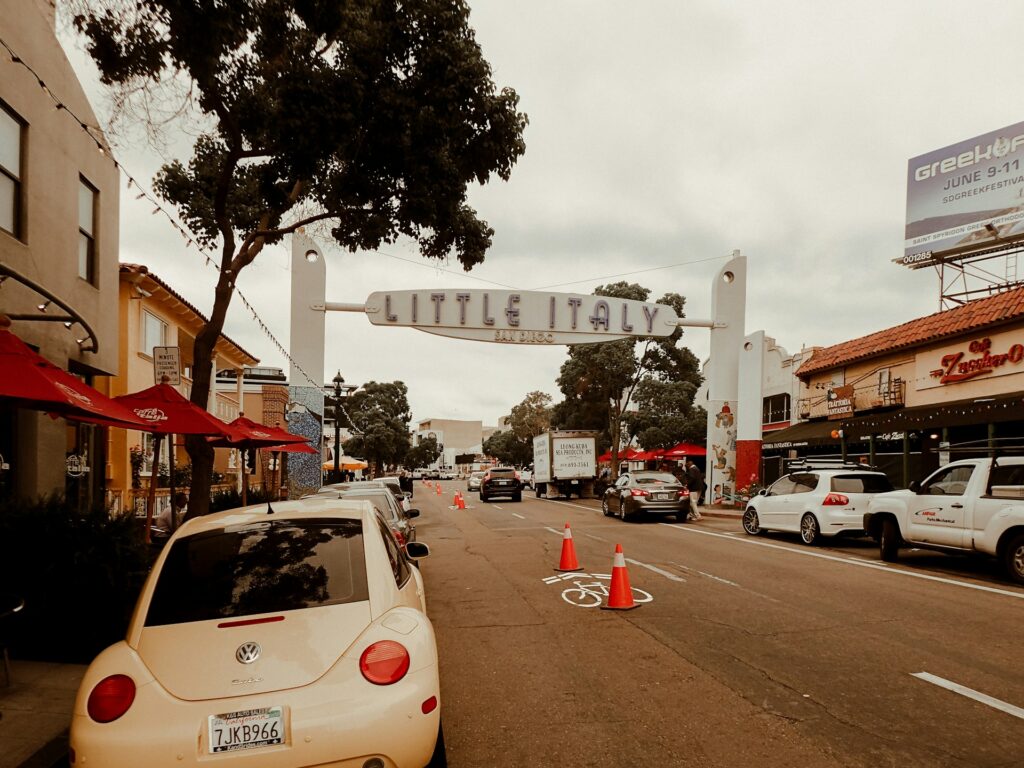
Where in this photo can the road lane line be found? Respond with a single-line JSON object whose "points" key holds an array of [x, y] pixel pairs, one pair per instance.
{"points": [[659, 571], [970, 693], [849, 561], [595, 537], [557, 533], [703, 573], [495, 506], [516, 514]]}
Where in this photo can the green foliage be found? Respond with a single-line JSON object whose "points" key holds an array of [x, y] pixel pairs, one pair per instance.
{"points": [[423, 454], [80, 575], [380, 412], [509, 449], [371, 116], [599, 381], [531, 417]]}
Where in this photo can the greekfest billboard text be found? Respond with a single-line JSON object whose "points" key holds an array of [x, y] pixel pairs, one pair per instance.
{"points": [[965, 197], [520, 317]]}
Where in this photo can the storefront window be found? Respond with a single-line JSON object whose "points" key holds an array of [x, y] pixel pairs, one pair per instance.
{"points": [[775, 409]]}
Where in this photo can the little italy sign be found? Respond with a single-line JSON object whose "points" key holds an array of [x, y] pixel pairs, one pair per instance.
{"points": [[520, 317]]}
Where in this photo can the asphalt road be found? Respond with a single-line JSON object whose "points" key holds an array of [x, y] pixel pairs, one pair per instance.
{"points": [[754, 651]]}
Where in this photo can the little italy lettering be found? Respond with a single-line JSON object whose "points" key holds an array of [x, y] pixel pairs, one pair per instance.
{"points": [[521, 317], [956, 368]]}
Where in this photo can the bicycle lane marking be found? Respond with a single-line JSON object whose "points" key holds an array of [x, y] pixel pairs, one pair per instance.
{"points": [[590, 595], [851, 561]]}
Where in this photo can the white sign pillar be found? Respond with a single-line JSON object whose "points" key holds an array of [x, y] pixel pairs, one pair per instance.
{"points": [[306, 345], [728, 311]]}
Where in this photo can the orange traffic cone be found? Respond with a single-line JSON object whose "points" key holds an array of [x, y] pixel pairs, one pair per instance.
{"points": [[455, 499], [438, 487], [568, 560], [620, 595], [460, 502]]}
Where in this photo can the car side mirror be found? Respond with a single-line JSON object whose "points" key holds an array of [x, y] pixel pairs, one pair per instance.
{"points": [[763, 492], [413, 513], [408, 494], [417, 549], [915, 486]]}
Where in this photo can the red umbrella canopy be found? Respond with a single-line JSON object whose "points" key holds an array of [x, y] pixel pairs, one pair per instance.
{"points": [[686, 449], [31, 381], [246, 433], [167, 411], [293, 448]]}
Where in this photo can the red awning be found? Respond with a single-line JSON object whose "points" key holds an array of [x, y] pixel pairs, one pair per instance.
{"points": [[246, 433], [628, 454], [167, 411], [292, 448], [31, 381]]}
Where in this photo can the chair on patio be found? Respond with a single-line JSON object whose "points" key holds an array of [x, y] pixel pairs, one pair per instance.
{"points": [[10, 606]]}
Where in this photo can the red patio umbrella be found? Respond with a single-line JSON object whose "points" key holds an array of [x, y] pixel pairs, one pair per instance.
{"points": [[288, 448], [246, 433], [167, 412], [31, 381], [686, 449]]}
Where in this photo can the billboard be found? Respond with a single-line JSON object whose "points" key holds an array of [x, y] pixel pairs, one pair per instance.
{"points": [[965, 197]]}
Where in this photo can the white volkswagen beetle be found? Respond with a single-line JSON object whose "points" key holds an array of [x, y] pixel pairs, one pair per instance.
{"points": [[291, 637]]}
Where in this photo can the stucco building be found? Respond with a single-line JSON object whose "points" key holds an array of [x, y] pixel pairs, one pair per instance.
{"points": [[454, 436]]}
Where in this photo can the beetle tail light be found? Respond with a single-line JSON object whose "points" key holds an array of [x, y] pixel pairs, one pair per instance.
{"points": [[399, 538], [111, 698], [836, 500], [384, 662]]}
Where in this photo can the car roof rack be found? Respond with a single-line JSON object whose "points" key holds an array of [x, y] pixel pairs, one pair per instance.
{"points": [[809, 463]]}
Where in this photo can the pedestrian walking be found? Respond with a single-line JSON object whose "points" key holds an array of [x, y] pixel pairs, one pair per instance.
{"points": [[695, 485]]}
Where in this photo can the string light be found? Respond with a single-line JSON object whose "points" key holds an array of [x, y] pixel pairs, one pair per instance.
{"points": [[188, 236]]}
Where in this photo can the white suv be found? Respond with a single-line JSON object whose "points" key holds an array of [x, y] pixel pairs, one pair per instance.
{"points": [[816, 500]]}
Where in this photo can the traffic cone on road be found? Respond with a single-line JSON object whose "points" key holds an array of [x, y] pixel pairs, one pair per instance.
{"points": [[438, 487], [568, 560], [620, 594], [455, 499], [460, 502]]}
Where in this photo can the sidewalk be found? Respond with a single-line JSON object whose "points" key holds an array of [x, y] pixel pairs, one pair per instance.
{"points": [[35, 712], [717, 511]]}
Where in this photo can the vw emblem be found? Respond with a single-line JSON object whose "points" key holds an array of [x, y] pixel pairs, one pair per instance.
{"points": [[247, 653]]}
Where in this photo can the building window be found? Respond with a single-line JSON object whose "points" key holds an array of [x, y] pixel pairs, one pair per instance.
{"points": [[86, 231], [154, 333], [12, 139], [775, 409], [884, 380]]}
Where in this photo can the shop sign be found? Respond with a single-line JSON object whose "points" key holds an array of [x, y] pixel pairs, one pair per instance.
{"points": [[841, 403], [977, 360], [77, 466], [521, 317]]}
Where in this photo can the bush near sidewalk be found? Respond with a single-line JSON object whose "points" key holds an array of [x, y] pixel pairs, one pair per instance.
{"points": [[79, 574]]}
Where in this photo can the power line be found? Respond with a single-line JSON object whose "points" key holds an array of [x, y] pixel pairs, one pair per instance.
{"points": [[627, 274]]}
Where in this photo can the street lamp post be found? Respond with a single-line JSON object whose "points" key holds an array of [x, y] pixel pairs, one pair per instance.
{"points": [[340, 390]]}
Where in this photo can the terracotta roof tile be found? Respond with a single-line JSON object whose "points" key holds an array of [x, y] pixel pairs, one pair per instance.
{"points": [[973, 316]]}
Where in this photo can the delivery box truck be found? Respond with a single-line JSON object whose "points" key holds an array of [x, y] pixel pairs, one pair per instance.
{"points": [[565, 464]]}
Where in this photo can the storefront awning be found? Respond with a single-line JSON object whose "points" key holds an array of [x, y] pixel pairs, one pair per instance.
{"points": [[805, 433], [927, 417]]}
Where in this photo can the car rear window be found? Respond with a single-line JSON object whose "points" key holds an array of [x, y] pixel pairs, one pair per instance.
{"points": [[260, 568], [655, 477], [861, 484], [503, 473], [382, 499]]}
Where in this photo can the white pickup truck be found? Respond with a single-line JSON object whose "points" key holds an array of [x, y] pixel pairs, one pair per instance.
{"points": [[972, 505]]}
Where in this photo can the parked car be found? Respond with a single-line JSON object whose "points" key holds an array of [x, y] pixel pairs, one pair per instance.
{"points": [[473, 484], [968, 506], [501, 481], [433, 474], [637, 494], [816, 500], [287, 639], [398, 519]]}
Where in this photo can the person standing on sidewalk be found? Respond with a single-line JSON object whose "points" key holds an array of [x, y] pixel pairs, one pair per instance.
{"points": [[695, 485]]}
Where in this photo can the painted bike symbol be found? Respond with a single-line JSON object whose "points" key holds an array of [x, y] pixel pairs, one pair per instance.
{"points": [[592, 594]]}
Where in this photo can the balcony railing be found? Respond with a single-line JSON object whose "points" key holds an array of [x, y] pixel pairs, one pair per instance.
{"points": [[866, 397]]}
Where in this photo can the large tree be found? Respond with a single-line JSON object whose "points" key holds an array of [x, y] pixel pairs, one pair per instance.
{"points": [[531, 417], [424, 453], [372, 116], [380, 416], [599, 380], [665, 414], [508, 449]]}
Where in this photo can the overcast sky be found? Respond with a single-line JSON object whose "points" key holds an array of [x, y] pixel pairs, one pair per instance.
{"points": [[663, 133]]}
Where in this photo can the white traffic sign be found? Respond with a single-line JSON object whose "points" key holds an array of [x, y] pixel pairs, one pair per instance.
{"points": [[167, 362], [520, 317]]}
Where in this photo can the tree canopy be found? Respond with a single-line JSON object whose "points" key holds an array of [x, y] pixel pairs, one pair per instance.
{"points": [[599, 381], [424, 453], [371, 116], [380, 416], [531, 417], [508, 449]]}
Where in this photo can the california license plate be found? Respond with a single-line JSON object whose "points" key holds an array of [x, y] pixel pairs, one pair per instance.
{"points": [[664, 496], [247, 729]]}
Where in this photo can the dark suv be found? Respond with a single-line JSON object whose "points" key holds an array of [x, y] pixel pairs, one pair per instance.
{"points": [[501, 481]]}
